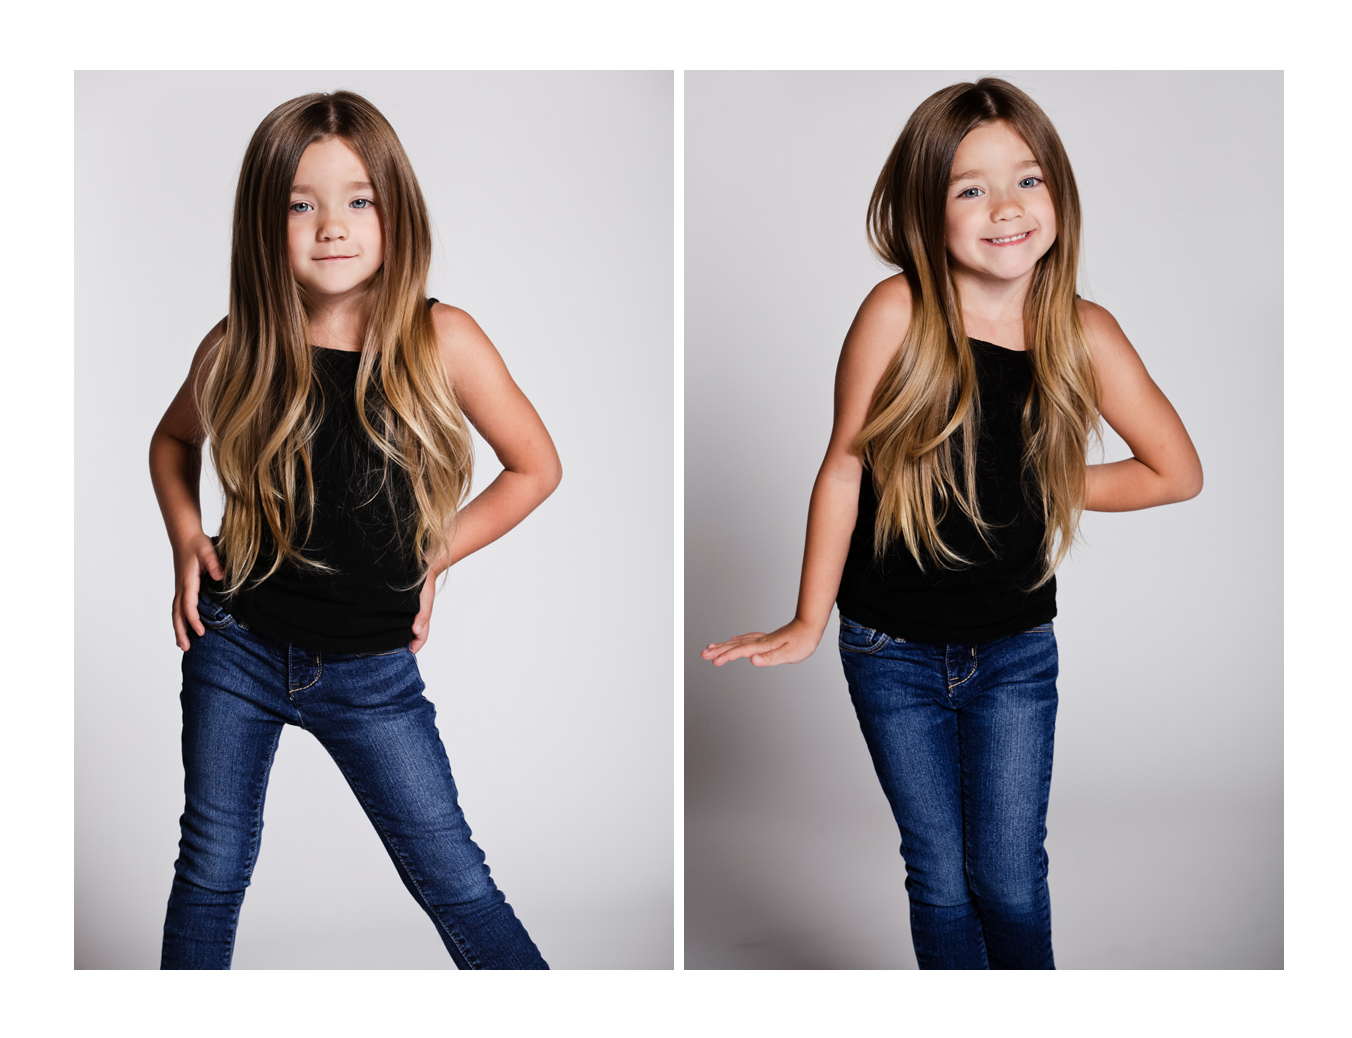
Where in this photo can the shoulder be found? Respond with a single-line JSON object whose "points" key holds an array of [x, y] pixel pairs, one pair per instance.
{"points": [[889, 303], [1114, 356], [459, 337], [466, 352], [879, 327], [1100, 327], [452, 323], [209, 342], [214, 336]]}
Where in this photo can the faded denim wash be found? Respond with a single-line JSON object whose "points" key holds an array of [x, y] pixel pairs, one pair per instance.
{"points": [[368, 711], [961, 738]]}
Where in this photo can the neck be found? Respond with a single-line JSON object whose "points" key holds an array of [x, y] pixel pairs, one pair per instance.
{"points": [[339, 324], [992, 309]]}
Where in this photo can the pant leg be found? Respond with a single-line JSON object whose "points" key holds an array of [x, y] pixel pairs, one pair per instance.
{"points": [[233, 713], [370, 715], [900, 696], [1006, 733]]}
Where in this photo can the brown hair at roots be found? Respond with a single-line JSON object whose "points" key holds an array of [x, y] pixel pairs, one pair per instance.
{"points": [[920, 435], [260, 398]]}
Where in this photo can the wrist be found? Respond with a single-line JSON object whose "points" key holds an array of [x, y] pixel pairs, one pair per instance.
{"points": [[813, 626]]}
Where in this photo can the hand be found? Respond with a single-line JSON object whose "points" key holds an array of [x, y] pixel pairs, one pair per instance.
{"points": [[423, 620], [792, 643], [197, 554]]}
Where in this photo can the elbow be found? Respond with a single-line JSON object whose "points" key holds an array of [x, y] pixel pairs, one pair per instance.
{"points": [[1190, 486], [551, 477]]}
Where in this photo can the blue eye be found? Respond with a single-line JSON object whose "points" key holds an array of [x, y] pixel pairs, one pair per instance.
{"points": [[971, 192], [1030, 182], [362, 203], [296, 207]]}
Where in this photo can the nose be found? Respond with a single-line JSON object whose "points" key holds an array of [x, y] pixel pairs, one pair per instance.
{"points": [[1005, 207], [332, 229]]}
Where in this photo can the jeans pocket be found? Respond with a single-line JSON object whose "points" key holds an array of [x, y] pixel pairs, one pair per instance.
{"points": [[860, 639], [211, 613]]}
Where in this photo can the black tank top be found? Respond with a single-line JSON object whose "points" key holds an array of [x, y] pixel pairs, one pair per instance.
{"points": [[361, 606], [990, 598]]}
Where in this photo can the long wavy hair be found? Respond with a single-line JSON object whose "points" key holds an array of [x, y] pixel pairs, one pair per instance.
{"points": [[920, 437], [261, 399]]}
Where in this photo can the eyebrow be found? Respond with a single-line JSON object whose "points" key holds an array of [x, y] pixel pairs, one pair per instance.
{"points": [[355, 185], [976, 174]]}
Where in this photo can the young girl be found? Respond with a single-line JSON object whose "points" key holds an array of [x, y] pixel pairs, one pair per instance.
{"points": [[337, 400], [966, 392]]}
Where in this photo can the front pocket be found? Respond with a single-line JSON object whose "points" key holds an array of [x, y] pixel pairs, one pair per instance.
{"points": [[212, 615], [859, 639]]}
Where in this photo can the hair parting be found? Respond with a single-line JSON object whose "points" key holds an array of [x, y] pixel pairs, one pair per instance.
{"points": [[920, 436], [261, 398]]}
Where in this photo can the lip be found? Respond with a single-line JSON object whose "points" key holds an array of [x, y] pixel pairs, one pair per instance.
{"points": [[1024, 236], [325, 259]]}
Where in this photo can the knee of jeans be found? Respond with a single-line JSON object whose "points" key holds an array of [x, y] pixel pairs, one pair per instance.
{"points": [[943, 887], [215, 863], [468, 886], [1011, 887]]}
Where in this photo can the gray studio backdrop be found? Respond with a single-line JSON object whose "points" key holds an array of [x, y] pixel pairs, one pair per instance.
{"points": [[1165, 825], [552, 200]]}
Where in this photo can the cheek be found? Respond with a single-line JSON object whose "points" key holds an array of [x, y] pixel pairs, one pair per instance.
{"points": [[953, 232], [295, 246]]}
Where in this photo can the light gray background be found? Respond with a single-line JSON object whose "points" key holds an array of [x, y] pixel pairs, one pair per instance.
{"points": [[1165, 826], [552, 200]]}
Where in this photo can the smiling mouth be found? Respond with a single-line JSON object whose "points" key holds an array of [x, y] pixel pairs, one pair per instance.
{"points": [[1013, 239]]}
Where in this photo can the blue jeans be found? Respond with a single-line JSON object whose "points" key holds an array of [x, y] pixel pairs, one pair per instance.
{"points": [[961, 739], [368, 711]]}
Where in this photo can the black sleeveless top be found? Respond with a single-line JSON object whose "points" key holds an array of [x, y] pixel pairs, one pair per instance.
{"points": [[990, 598], [360, 606]]}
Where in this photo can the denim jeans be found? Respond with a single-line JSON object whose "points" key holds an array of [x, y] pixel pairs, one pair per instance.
{"points": [[961, 739], [368, 711]]}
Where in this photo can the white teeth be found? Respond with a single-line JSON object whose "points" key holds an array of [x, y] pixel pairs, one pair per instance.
{"points": [[1016, 237]]}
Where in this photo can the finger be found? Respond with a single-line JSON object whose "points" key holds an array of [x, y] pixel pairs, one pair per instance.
{"points": [[210, 563], [419, 639], [716, 647], [180, 632], [191, 586], [743, 651]]}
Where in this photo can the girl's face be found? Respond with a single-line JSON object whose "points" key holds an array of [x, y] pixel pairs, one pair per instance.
{"points": [[1000, 219], [333, 226]]}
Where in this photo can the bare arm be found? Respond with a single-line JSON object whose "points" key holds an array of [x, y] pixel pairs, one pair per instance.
{"points": [[175, 471], [872, 342], [497, 408], [1164, 466]]}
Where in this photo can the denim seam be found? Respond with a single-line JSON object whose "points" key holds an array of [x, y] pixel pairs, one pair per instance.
{"points": [[257, 832], [975, 664], [372, 655], [319, 673], [360, 790]]}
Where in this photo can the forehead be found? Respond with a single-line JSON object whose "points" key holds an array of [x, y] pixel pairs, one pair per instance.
{"points": [[330, 161], [992, 146]]}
